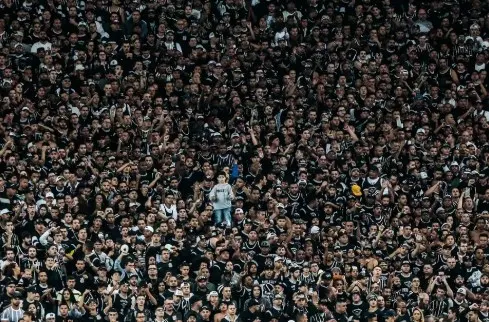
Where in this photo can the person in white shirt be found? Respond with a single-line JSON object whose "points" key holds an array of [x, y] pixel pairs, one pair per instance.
{"points": [[42, 43], [14, 312]]}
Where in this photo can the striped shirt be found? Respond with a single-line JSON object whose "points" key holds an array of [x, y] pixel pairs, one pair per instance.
{"points": [[225, 160], [14, 240], [382, 282], [321, 317], [439, 307], [12, 315], [462, 50]]}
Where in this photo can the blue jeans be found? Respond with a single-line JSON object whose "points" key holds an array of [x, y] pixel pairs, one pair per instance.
{"points": [[222, 215]]}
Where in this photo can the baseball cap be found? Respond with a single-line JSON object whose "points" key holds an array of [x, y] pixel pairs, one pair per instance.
{"points": [[356, 190]]}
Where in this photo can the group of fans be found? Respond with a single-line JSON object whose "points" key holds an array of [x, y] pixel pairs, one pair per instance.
{"points": [[244, 160]]}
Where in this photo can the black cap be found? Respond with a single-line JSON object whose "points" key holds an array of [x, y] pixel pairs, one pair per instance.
{"points": [[16, 295], [31, 289], [11, 185]]}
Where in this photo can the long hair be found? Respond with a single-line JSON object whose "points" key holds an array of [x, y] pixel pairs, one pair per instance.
{"points": [[71, 300], [420, 312]]}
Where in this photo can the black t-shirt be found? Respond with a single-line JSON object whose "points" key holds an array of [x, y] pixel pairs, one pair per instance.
{"points": [[67, 319], [355, 310], [89, 318]]}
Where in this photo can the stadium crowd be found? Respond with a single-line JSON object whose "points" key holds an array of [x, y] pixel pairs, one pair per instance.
{"points": [[244, 160]]}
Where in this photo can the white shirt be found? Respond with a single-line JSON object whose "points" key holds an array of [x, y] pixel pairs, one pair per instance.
{"points": [[47, 46]]}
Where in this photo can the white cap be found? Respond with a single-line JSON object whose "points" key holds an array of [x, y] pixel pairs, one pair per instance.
{"points": [[49, 195], [462, 291], [168, 247], [271, 235], [315, 230], [150, 229]]}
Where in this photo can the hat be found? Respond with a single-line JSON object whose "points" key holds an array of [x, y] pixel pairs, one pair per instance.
{"points": [[271, 235], [4, 211], [462, 291], [420, 131], [150, 229], [213, 293], [49, 195], [323, 301], [50, 316], [454, 164], [356, 190], [254, 302], [238, 211], [265, 244], [315, 230], [17, 295], [11, 185], [278, 258]]}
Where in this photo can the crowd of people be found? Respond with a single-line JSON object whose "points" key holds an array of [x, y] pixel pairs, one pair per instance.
{"points": [[244, 161]]}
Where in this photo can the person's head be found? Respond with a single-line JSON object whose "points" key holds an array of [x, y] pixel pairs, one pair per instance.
{"points": [[221, 177], [113, 315], [341, 306], [140, 317], [15, 299], [29, 317], [418, 315]]}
